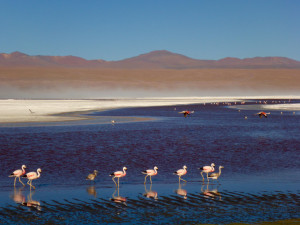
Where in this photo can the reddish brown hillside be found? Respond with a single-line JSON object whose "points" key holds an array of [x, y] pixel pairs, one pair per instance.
{"points": [[153, 60]]}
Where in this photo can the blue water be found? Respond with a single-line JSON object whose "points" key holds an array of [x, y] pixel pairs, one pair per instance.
{"points": [[259, 182]]}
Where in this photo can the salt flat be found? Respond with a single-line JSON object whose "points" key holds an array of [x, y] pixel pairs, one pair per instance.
{"points": [[18, 110]]}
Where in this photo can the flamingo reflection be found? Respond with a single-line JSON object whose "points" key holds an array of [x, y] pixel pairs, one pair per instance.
{"points": [[91, 190], [181, 192], [18, 196], [212, 194], [118, 198], [149, 193], [32, 204]]}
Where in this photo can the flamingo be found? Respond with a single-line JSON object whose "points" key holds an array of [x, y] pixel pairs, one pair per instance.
{"points": [[18, 173], [207, 169], [215, 176], [92, 176], [118, 174], [181, 172], [32, 176], [261, 114], [150, 173], [186, 112]]}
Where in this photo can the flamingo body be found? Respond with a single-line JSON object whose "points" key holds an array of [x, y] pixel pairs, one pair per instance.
{"points": [[92, 176], [32, 176], [150, 173], [18, 173], [261, 114], [207, 169], [118, 174], [215, 176], [186, 112], [181, 172]]}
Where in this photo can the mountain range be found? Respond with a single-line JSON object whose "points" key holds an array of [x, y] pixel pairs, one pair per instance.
{"points": [[161, 59]]}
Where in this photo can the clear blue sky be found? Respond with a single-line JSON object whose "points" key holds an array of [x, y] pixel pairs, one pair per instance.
{"points": [[114, 30]]}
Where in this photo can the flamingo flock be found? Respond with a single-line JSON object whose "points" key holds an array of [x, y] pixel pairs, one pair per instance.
{"points": [[30, 176], [118, 174], [153, 172]]}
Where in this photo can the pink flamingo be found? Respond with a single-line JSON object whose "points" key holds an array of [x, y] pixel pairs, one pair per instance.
{"points": [[186, 112], [32, 176], [150, 173], [18, 173], [261, 114], [118, 174], [207, 169], [181, 172]]}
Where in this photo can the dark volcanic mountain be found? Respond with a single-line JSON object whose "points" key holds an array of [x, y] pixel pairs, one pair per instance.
{"points": [[153, 60]]}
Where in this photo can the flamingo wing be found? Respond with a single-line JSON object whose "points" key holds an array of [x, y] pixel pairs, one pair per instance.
{"points": [[17, 173], [31, 175]]}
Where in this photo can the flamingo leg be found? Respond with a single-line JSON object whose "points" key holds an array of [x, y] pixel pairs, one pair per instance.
{"points": [[207, 177], [183, 179], [118, 182], [15, 181], [32, 185], [150, 180], [179, 179], [21, 181], [114, 181], [202, 175], [145, 179]]}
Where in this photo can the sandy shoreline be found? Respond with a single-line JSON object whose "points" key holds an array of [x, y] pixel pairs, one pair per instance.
{"points": [[20, 111]]}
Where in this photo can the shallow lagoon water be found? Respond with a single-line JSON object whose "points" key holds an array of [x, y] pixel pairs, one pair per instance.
{"points": [[260, 181]]}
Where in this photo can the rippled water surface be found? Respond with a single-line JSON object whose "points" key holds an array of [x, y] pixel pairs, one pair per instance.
{"points": [[260, 180]]}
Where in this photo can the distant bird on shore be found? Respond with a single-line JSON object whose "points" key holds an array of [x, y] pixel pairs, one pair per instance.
{"points": [[31, 111], [185, 113], [150, 173], [215, 176], [118, 174], [261, 114], [207, 169], [113, 122], [18, 173], [181, 172], [92, 176], [32, 176]]}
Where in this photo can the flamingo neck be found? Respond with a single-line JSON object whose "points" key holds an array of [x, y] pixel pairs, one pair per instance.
{"points": [[155, 170], [124, 171], [38, 173], [220, 170], [23, 169]]}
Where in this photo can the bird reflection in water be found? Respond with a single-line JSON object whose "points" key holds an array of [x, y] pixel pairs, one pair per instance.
{"points": [[91, 190], [32, 204], [149, 193], [18, 196], [181, 192], [118, 198], [212, 194]]}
